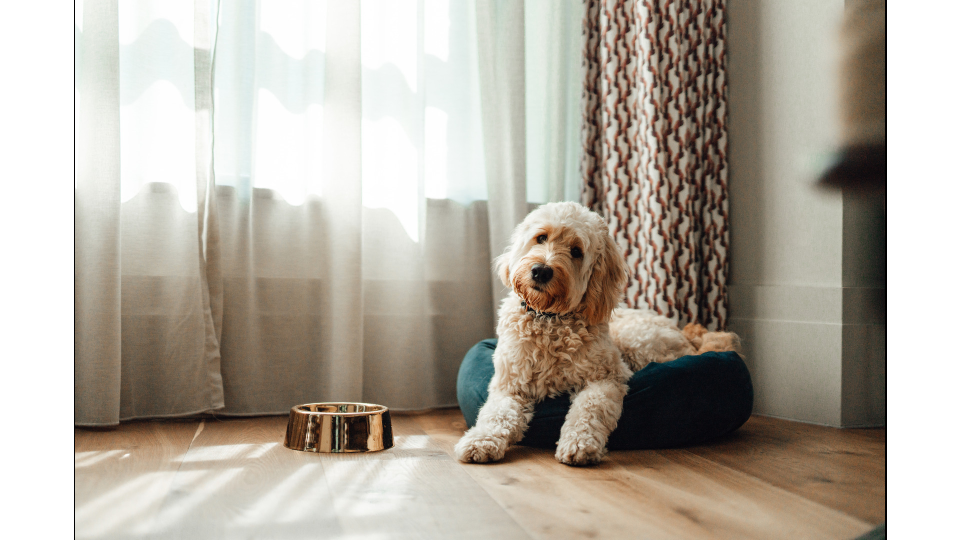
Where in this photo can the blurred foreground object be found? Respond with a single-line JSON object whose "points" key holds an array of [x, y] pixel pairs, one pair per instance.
{"points": [[861, 161]]}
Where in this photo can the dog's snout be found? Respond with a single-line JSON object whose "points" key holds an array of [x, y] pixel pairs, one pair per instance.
{"points": [[542, 273]]}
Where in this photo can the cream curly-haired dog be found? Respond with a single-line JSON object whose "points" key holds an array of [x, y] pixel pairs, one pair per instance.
{"points": [[556, 335]]}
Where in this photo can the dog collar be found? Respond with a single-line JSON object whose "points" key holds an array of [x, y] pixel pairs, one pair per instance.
{"points": [[523, 304]]}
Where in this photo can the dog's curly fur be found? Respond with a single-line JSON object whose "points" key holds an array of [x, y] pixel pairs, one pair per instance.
{"points": [[556, 336], [643, 336]]}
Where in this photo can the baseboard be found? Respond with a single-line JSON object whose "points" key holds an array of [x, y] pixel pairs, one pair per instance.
{"points": [[816, 354]]}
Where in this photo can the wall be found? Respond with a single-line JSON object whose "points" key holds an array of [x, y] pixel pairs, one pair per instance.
{"points": [[804, 291]]}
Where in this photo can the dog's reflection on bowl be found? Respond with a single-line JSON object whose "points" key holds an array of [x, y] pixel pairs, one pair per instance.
{"points": [[339, 428]]}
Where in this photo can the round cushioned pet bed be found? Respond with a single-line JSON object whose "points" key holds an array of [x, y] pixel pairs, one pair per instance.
{"points": [[688, 401]]}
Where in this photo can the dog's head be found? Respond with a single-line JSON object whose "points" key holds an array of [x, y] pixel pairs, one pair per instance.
{"points": [[562, 259]]}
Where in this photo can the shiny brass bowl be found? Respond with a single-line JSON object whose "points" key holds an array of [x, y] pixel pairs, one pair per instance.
{"points": [[339, 427]]}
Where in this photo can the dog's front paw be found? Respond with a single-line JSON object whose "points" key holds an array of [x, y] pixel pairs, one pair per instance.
{"points": [[480, 448], [579, 450]]}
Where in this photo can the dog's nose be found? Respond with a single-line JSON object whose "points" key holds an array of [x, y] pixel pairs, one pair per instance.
{"points": [[542, 273]]}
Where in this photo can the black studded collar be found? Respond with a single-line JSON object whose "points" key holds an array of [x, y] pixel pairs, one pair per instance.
{"points": [[529, 309]]}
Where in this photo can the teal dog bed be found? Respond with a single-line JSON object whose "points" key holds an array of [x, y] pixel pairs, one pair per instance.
{"points": [[688, 401]]}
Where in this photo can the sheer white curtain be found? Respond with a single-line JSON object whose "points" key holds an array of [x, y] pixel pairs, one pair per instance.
{"points": [[147, 289], [280, 202]]}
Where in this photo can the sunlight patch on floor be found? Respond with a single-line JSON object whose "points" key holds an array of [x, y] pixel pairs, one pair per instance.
{"points": [[368, 536], [411, 442], [288, 491], [86, 459], [227, 451], [126, 502], [364, 492], [200, 486]]}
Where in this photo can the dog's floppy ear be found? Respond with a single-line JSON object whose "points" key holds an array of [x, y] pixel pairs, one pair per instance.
{"points": [[607, 280], [502, 262]]}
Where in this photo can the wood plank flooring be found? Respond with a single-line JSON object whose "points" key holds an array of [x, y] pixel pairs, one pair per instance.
{"points": [[234, 479]]}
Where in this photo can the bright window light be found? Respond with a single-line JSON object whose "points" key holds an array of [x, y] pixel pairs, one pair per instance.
{"points": [[288, 150], [157, 142], [435, 153], [436, 38], [388, 35], [136, 15], [390, 172], [298, 26]]}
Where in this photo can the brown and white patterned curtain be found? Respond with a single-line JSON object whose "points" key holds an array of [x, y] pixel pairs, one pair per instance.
{"points": [[655, 148]]}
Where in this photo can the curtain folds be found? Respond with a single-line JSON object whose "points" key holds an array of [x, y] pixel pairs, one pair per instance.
{"points": [[97, 216], [147, 280], [281, 202], [502, 61], [654, 148]]}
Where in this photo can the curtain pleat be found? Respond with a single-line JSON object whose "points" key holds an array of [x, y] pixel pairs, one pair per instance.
{"points": [[147, 278], [208, 232], [97, 335], [169, 266], [287, 128], [654, 149], [500, 25], [342, 222]]}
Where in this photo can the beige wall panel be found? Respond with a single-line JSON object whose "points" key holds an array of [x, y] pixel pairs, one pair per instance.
{"points": [[795, 368], [781, 121]]}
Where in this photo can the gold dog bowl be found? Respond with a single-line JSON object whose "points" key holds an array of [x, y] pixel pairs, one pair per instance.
{"points": [[339, 427]]}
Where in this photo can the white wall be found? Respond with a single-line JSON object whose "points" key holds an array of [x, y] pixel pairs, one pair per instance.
{"points": [[802, 294]]}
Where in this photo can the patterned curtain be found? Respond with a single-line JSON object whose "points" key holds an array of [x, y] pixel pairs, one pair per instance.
{"points": [[655, 148]]}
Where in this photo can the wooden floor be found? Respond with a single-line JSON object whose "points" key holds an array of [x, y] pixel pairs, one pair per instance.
{"points": [[234, 479]]}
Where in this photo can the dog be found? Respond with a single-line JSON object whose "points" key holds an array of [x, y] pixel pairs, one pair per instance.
{"points": [[560, 330]]}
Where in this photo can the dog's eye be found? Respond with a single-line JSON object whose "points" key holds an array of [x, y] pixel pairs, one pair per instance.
{"points": [[576, 253], [541, 239]]}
